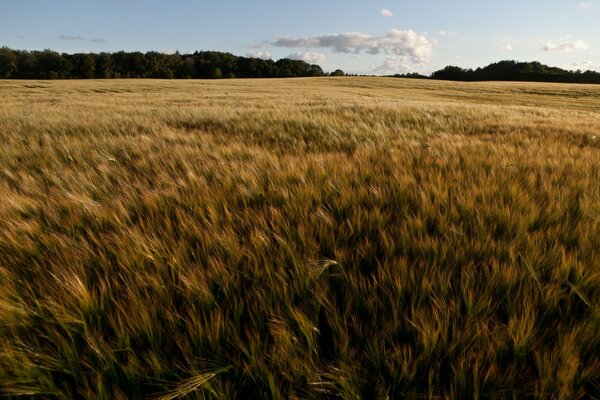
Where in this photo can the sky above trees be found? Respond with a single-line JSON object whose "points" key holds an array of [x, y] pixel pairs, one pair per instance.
{"points": [[360, 36]]}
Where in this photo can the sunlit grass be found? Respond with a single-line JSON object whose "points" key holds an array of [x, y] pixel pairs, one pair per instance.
{"points": [[310, 238]]}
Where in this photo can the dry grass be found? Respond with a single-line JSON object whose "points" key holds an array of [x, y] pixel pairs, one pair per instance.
{"points": [[311, 238]]}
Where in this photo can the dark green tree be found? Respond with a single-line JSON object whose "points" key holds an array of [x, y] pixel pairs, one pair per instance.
{"points": [[84, 65], [8, 62], [217, 73], [104, 66], [26, 65], [187, 68], [315, 70], [136, 63], [450, 73], [155, 64], [52, 65]]}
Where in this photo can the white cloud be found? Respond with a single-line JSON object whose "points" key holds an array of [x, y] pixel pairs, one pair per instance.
{"points": [[447, 33], [413, 46], [586, 65], [566, 46], [386, 13], [505, 47], [585, 4], [70, 38], [309, 57], [392, 65], [265, 55], [261, 45]]}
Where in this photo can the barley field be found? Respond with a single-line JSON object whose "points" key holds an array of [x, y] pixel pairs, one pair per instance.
{"points": [[321, 238]]}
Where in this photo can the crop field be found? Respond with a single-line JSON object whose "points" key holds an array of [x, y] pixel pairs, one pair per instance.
{"points": [[319, 238]]}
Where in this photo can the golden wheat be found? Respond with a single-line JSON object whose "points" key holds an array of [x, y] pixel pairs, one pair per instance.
{"points": [[302, 238]]}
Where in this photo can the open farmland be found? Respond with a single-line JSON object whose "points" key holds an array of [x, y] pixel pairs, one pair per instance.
{"points": [[299, 238]]}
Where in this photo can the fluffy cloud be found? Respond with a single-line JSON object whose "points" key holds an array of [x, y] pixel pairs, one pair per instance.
{"points": [[309, 57], [414, 46], [265, 55], [80, 38], [566, 46], [505, 47], [586, 65], [386, 13], [260, 45], [392, 65], [447, 33], [70, 38], [585, 4]]}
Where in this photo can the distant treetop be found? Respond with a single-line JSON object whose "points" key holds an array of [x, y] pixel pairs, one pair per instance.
{"points": [[517, 71], [48, 64]]}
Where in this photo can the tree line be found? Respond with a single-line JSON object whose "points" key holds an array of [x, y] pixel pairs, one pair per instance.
{"points": [[517, 71], [48, 64]]}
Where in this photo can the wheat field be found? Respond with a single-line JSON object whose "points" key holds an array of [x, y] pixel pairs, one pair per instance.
{"points": [[322, 238]]}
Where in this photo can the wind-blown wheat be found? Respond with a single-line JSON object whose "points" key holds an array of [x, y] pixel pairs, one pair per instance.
{"points": [[309, 238]]}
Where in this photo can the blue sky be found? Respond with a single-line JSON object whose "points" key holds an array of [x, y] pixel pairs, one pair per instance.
{"points": [[362, 36]]}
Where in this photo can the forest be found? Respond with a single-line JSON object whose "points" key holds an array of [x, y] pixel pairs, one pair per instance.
{"points": [[48, 64], [517, 71]]}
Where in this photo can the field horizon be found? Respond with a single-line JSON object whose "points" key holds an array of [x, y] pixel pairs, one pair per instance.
{"points": [[303, 238], [51, 65]]}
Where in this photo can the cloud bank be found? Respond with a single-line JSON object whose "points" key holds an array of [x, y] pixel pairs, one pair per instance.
{"points": [[260, 45], [586, 65], [414, 47], [309, 57], [392, 65], [386, 13], [566, 46], [447, 33], [71, 38], [265, 55]]}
